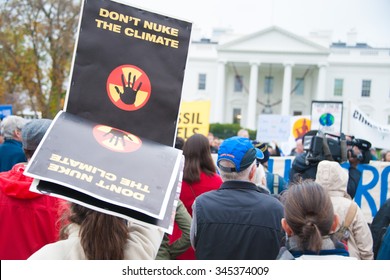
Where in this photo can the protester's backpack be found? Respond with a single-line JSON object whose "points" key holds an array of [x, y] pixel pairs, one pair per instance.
{"points": [[343, 232], [275, 183]]}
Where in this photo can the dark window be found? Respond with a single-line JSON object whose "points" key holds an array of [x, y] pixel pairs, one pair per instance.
{"points": [[297, 113], [299, 86], [268, 84], [238, 83], [338, 87], [237, 115], [202, 81], [366, 88]]}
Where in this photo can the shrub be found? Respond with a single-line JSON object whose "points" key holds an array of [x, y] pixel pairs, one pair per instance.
{"points": [[227, 130]]}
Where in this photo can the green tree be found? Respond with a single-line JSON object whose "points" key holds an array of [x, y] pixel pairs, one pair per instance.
{"points": [[36, 44]]}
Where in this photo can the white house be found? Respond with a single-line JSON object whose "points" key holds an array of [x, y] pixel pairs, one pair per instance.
{"points": [[275, 71]]}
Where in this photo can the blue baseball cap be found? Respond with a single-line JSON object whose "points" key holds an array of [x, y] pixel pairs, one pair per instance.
{"points": [[240, 151]]}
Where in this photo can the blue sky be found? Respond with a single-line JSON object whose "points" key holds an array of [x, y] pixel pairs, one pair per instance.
{"points": [[370, 18]]}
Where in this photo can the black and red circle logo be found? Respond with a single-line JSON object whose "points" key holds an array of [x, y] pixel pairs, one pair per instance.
{"points": [[115, 139], [128, 87]]}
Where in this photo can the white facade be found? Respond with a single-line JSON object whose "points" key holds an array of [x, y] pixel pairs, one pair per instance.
{"points": [[286, 59]]}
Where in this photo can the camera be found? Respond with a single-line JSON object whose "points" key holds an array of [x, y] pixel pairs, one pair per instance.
{"points": [[364, 147], [324, 146], [360, 143]]}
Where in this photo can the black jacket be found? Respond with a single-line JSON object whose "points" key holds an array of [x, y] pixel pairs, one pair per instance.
{"points": [[237, 221], [379, 225], [302, 169]]}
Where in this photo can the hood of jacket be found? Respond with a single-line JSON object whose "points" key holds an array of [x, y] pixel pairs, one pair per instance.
{"points": [[333, 178], [14, 184]]}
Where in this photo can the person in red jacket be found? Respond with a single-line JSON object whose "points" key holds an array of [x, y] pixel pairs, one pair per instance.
{"points": [[199, 176], [28, 220]]}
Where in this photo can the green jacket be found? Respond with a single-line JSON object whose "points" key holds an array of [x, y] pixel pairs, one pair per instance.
{"points": [[171, 251]]}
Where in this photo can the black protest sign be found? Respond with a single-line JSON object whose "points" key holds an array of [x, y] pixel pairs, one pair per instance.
{"points": [[100, 205], [108, 164], [128, 69]]}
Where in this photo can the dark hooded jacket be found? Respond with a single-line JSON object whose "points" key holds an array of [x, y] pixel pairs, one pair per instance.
{"points": [[379, 225], [307, 170]]}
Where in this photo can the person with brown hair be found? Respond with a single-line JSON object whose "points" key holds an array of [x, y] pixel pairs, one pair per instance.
{"points": [[386, 155], [93, 235], [308, 222], [170, 250], [199, 176], [212, 141]]}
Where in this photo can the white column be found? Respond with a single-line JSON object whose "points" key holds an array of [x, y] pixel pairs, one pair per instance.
{"points": [[321, 81], [286, 88], [219, 103], [252, 100]]}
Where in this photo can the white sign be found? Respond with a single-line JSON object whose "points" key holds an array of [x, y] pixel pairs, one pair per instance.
{"points": [[327, 116], [362, 126], [273, 128]]}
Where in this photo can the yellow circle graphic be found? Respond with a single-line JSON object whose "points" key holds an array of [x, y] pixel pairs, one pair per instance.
{"points": [[300, 127]]}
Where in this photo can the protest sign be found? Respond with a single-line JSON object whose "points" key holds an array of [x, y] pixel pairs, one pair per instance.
{"points": [[128, 69], [273, 128], [299, 125], [193, 118], [111, 149], [166, 224], [362, 126], [327, 116], [5, 111], [107, 167]]}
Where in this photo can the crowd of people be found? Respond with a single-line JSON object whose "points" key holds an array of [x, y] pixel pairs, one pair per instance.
{"points": [[230, 207]]}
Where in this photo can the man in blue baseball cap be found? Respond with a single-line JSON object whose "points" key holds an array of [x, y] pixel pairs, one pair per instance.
{"points": [[237, 221], [240, 152]]}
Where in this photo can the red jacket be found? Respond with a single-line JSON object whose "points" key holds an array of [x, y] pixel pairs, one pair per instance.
{"points": [[188, 194], [28, 220]]}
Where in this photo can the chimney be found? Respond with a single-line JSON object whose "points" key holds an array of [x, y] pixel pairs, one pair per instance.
{"points": [[351, 38]]}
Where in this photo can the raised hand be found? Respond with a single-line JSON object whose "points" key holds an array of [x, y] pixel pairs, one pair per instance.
{"points": [[129, 93], [118, 135]]}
